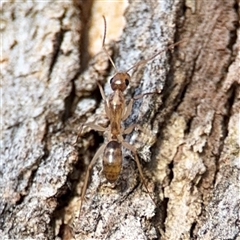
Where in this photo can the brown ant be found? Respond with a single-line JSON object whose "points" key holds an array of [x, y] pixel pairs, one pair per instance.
{"points": [[116, 111]]}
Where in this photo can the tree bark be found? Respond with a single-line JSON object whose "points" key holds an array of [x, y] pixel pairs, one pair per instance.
{"points": [[189, 148]]}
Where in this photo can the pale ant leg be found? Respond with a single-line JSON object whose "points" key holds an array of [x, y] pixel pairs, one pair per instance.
{"points": [[101, 91], [105, 100], [133, 150], [138, 127], [129, 129], [130, 104], [93, 161], [148, 133], [128, 110], [95, 127], [92, 125], [142, 95]]}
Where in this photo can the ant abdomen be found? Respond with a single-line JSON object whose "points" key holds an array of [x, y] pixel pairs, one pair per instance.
{"points": [[112, 161]]}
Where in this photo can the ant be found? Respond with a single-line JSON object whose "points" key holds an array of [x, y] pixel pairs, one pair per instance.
{"points": [[116, 111]]}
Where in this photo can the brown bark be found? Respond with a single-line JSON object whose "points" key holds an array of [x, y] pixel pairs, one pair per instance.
{"points": [[193, 168]]}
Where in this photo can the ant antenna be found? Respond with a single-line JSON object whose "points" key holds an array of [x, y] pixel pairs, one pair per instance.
{"points": [[152, 57], [142, 62], [103, 42]]}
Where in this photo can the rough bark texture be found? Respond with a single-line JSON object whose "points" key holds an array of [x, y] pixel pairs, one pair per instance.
{"points": [[193, 168]]}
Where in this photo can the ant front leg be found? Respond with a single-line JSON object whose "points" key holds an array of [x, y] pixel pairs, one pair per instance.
{"points": [[133, 150], [129, 129], [128, 110], [93, 161], [144, 94], [130, 104], [107, 111]]}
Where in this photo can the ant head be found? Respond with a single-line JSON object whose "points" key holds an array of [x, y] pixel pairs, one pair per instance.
{"points": [[120, 81]]}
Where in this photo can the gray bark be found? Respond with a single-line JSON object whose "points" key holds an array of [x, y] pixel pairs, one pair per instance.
{"points": [[191, 140]]}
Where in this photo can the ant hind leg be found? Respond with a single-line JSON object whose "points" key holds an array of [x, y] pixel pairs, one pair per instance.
{"points": [[93, 161], [133, 150]]}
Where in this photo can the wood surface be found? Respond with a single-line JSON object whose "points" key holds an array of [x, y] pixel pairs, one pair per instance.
{"points": [[49, 90]]}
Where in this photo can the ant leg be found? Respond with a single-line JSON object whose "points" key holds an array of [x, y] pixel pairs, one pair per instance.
{"points": [[142, 95], [95, 127], [133, 150], [147, 132], [105, 100], [128, 110], [129, 106], [99, 128], [129, 129], [92, 126], [93, 161], [101, 91]]}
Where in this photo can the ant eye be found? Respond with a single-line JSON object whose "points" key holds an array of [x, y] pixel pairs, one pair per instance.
{"points": [[111, 80], [126, 82]]}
